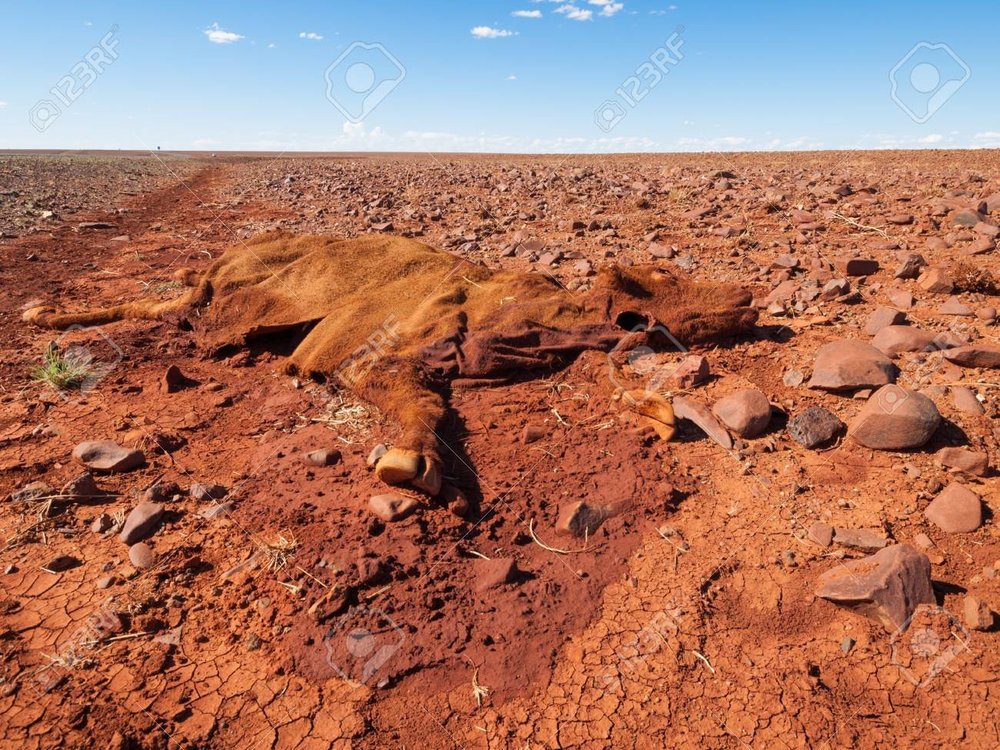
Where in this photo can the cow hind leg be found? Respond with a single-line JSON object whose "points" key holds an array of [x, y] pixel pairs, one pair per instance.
{"points": [[49, 317]]}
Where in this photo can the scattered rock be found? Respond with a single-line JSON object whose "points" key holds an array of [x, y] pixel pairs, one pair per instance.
{"points": [[957, 510], [391, 507], [532, 433], [965, 401], [61, 563], [857, 266], [322, 457], [936, 281], [882, 317], [81, 488], [581, 519], [161, 491], [141, 556], [107, 455], [691, 371], [962, 459], [174, 380], [894, 340], [699, 414], [101, 523], [814, 427], [455, 499], [493, 573], [862, 539], [793, 378], [975, 355], [208, 492], [32, 492], [886, 586], [746, 412], [849, 365], [216, 510], [910, 266], [821, 533], [953, 306], [895, 418], [977, 614], [141, 522]]}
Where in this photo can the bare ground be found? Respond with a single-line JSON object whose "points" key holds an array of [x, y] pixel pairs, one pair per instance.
{"points": [[683, 622]]}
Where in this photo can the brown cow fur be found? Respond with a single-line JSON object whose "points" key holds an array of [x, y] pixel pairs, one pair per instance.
{"points": [[395, 320]]}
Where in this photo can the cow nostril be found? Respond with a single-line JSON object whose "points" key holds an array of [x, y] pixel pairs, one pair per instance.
{"points": [[632, 321]]}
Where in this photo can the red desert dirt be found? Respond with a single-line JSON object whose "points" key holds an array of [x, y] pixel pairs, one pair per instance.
{"points": [[368, 451]]}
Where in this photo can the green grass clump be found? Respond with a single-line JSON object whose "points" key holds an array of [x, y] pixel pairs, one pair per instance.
{"points": [[63, 371]]}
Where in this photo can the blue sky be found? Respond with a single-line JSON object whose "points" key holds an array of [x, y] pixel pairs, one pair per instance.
{"points": [[498, 75]]}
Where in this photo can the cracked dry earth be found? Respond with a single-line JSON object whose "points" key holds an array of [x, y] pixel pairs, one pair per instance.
{"points": [[285, 614]]}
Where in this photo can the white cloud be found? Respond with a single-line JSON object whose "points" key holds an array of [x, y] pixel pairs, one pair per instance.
{"points": [[931, 138], [312, 36], [987, 139], [511, 77], [220, 36], [713, 144], [575, 14], [488, 32], [527, 13], [271, 45], [608, 8], [3, 104]]}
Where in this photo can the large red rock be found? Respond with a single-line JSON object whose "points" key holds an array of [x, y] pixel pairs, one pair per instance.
{"points": [[746, 412], [936, 281], [141, 522], [957, 510], [975, 355], [391, 507], [895, 418], [849, 365], [886, 586], [884, 316], [975, 463], [894, 340], [107, 455]]}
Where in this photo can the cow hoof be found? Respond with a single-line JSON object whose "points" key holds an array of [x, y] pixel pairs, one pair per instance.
{"points": [[655, 410], [34, 314], [399, 466]]}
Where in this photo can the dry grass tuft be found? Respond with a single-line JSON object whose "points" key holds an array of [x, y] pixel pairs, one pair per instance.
{"points": [[968, 277]]}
